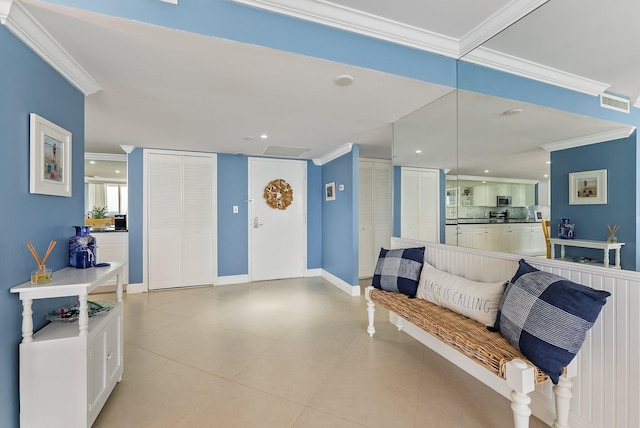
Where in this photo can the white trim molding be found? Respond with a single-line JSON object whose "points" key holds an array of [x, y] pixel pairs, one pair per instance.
{"points": [[348, 19], [334, 154], [503, 18], [352, 290], [231, 279], [24, 26], [531, 70], [616, 134], [137, 288]]}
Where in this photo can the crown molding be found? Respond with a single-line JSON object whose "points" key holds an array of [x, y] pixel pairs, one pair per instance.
{"points": [[333, 155], [23, 25], [531, 70], [601, 137], [344, 18], [503, 18]]}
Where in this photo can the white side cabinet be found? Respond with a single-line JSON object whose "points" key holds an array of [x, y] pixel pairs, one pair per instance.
{"points": [[68, 370]]}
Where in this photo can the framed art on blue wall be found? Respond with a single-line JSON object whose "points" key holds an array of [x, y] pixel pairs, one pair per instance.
{"points": [[588, 187], [50, 158], [330, 191]]}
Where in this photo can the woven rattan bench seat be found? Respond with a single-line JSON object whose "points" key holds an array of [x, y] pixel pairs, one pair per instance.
{"points": [[467, 336]]}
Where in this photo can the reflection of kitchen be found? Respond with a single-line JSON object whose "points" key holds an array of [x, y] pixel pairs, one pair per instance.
{"points": [[497, 214], [106, 206]]}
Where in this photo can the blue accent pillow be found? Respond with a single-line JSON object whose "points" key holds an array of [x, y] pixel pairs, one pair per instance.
{"points": [[399, 270], [547, 317]]}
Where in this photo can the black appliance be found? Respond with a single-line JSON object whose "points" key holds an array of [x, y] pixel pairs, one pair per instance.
{"points": [[120, 221]]}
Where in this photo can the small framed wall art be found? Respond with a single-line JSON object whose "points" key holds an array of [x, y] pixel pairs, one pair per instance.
{"points": [[50, 158], [588, 187], [330, 191]]}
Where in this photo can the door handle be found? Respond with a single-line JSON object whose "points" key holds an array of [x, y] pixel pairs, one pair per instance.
{"points": [[256, 224]]}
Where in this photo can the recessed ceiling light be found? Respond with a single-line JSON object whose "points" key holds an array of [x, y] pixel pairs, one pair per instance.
{"points": [[344, 80], [548, 162], [117, 171], [486, 171], [92, 162], [264, 136], [546, 175], [512, 112], [418, 151]]}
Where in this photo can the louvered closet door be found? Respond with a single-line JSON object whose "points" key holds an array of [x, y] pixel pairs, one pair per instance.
{"points": [[365, 266], [381, 208], [165, 221], [198, 234]]}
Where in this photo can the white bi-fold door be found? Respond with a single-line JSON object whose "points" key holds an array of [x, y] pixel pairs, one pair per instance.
{"points": [[180, 219]]}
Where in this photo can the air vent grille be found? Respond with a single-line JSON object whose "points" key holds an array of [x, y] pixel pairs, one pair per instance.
{"points": [[615, 103], [289, 152]]}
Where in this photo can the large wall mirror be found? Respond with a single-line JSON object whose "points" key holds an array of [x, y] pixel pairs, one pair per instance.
{"points": [[105, 178], [491, 147]]}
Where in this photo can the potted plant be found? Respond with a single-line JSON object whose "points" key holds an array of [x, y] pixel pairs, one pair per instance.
{"points": [[98, 217]]}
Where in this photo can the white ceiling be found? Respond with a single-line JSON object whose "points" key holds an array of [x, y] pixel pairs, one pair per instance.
{"points": [[163, 88]]}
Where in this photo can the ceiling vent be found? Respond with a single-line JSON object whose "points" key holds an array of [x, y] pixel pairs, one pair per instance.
{"points": [[615, 103], [287, 152]]}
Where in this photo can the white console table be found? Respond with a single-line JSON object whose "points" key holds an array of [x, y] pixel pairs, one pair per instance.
{"points": [[600, 245], [68, 369]]}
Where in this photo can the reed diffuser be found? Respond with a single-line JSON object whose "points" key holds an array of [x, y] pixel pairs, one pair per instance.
{"points": [[42, 275], [612, 233]]}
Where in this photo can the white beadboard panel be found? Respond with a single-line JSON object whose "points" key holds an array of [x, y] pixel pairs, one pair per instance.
{"points": [[606, 392]]}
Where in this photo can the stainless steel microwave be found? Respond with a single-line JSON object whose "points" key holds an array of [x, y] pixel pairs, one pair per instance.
{"points": [[504, 201]]}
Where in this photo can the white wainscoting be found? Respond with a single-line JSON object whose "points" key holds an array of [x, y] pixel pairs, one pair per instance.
{"points": [[606, 392]]}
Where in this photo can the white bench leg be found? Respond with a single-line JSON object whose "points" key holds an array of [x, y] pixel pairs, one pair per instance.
{"points": [[562, 392], [520, 380], [371, 310]]}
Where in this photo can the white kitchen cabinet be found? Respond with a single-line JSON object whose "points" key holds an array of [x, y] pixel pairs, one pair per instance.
{"points": [[451, 234], [180, 219], [375, 213], [113, 246], [68, 369], [465, 235]]}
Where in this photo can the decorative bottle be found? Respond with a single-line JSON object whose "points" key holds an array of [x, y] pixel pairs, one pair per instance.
{"points": [[85, 245]]}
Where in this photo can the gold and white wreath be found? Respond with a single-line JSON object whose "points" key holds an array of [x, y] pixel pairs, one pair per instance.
{"points": [[278, 194]]}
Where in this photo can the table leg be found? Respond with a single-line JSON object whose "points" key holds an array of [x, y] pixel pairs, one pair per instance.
{"points": [[606, 257], [27, 321], [83, 321]]}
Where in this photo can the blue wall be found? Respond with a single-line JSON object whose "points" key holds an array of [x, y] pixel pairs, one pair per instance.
{"points": [[340, 217], [619, 159], [28, 85], [233, 231]]}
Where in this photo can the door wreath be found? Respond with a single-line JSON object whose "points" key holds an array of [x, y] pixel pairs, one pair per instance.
{"points": [[278, 194]]}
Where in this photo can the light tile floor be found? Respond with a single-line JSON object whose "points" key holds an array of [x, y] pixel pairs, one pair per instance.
{"points": [[287, 353]]}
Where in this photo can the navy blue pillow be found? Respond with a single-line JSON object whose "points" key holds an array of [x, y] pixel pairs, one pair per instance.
{"points": [[547, 317], [399, 270]]}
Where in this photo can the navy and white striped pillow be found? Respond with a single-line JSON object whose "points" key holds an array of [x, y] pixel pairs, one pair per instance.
{"points": [[547, 317], [399, 270]]}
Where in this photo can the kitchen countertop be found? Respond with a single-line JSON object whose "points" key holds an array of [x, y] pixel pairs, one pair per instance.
{"points": [[105, 229], [488, 221]]}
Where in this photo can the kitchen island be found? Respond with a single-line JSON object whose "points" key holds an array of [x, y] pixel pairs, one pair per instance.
{"points": [[516, 236]]}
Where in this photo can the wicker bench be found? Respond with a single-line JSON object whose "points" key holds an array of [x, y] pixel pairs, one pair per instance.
{"points": [[488, 349]]}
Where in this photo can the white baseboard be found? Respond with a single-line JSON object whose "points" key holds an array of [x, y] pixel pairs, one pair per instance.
{"points": [[231, 279], [136, 288], [313, 272], [352, 290]]}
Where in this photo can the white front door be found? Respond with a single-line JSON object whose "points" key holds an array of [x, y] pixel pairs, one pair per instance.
{"points": [[277, 237]]}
